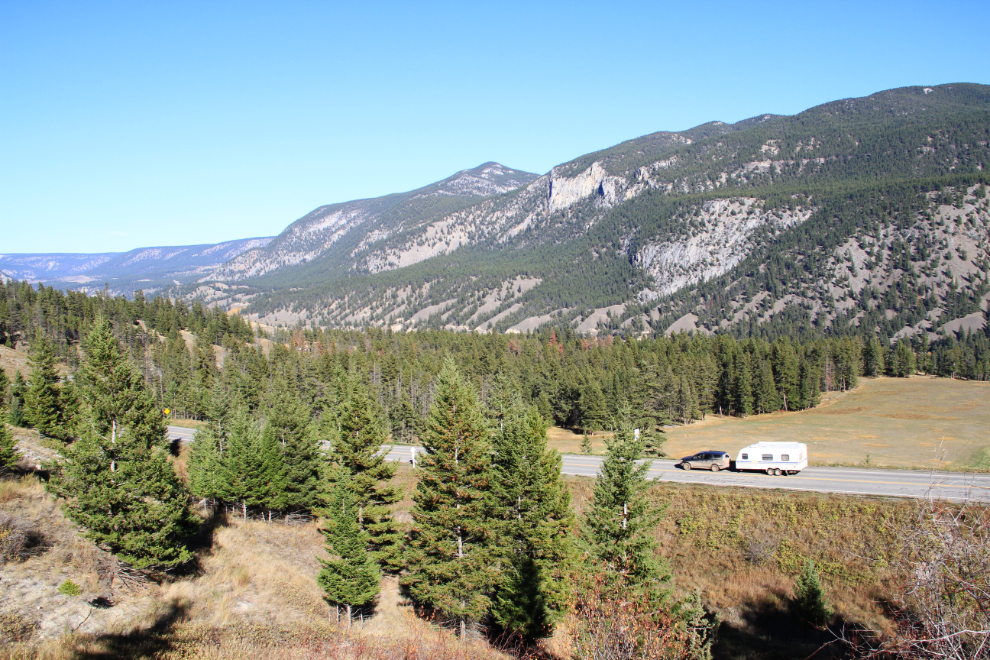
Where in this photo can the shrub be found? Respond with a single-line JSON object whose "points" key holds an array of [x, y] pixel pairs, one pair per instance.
{"points": [[15, 628], [14, 534], [614, 621], [69, 588]]}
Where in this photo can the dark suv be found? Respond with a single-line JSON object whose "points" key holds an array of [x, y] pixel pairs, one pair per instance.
{"points": [[707, 460]]}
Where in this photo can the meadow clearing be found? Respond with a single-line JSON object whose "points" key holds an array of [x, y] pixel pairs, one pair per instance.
{"points": [[884, 422]]}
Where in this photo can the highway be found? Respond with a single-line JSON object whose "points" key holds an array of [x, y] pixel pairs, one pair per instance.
{"points": [[955, 486]]}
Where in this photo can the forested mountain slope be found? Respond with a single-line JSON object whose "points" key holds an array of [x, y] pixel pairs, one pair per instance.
{"points": [[335, 238], [869, 210]]}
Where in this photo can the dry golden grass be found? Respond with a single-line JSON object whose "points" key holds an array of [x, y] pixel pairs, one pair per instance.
{"points": [[186, 423], [253, 595], [567, 441], [12, 361], [896, 422], [55, 554], [743, 548], [884, 422]]}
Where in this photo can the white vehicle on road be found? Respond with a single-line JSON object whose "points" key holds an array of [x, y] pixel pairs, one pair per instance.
{"points": [[773, 457]]}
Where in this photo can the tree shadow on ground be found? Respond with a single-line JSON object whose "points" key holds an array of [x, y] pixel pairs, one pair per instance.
{"points": [[143, 643], [201, 543], [767, 630]]}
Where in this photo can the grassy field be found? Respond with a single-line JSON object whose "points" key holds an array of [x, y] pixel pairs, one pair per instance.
{"points": [[885, 422]]}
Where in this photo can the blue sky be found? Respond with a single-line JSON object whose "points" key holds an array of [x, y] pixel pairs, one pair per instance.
{"points": [[133, 124]]}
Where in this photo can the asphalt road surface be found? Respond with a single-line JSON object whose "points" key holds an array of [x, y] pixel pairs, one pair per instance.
{"points": [[180, 433], [856, 481]]}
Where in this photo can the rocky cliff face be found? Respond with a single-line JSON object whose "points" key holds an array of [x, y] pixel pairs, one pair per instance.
{"points": [[722, 235]]}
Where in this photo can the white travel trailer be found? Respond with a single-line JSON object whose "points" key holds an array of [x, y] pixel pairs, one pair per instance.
{"points": [[773, 457]]}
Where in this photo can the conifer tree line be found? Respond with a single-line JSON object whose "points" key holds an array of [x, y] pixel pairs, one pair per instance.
{"points": [[576, 382]]}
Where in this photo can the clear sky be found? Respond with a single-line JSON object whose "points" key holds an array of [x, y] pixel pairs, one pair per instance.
{"points": [[134, 124]]}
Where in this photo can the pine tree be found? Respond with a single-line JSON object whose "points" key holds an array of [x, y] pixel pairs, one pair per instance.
{"points": [[786, 373], [450, 554], [4, 389], [251, 469], [810, 393], [687, 403], [357, 456], [353, 579], [873, 363], [46, 408], [902, 363], [18, 391], [767, 399], [594, 411], [204, 465], [8, 446], [288, 425], [618, 526], [744, 385], [532, 506], [117, 481], [115, 391]]}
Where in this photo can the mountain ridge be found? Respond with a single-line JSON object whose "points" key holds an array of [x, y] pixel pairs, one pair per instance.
{"points": [[753, 227], [594, 231]]}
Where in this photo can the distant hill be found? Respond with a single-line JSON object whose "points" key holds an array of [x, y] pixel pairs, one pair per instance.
{"points": [[860, 211], [153, 269]]}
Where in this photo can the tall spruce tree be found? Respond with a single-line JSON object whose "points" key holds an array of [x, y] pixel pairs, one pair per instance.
{"points": [[357, 458], [8, 447], [288, 425], [47, 407], [450, 545], [117, 481], [351, 577], [618, 527], [115, 391], [4, 389], [18, 391], [252, 472], [532, 507], [204, 465]]}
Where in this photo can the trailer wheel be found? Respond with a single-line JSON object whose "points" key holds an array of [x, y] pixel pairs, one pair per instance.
{"points": [[770, 472], [686, 466], [714, 468]]}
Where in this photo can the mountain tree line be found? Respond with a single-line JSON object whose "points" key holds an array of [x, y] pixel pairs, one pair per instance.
{"points": [[574, 381]]}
